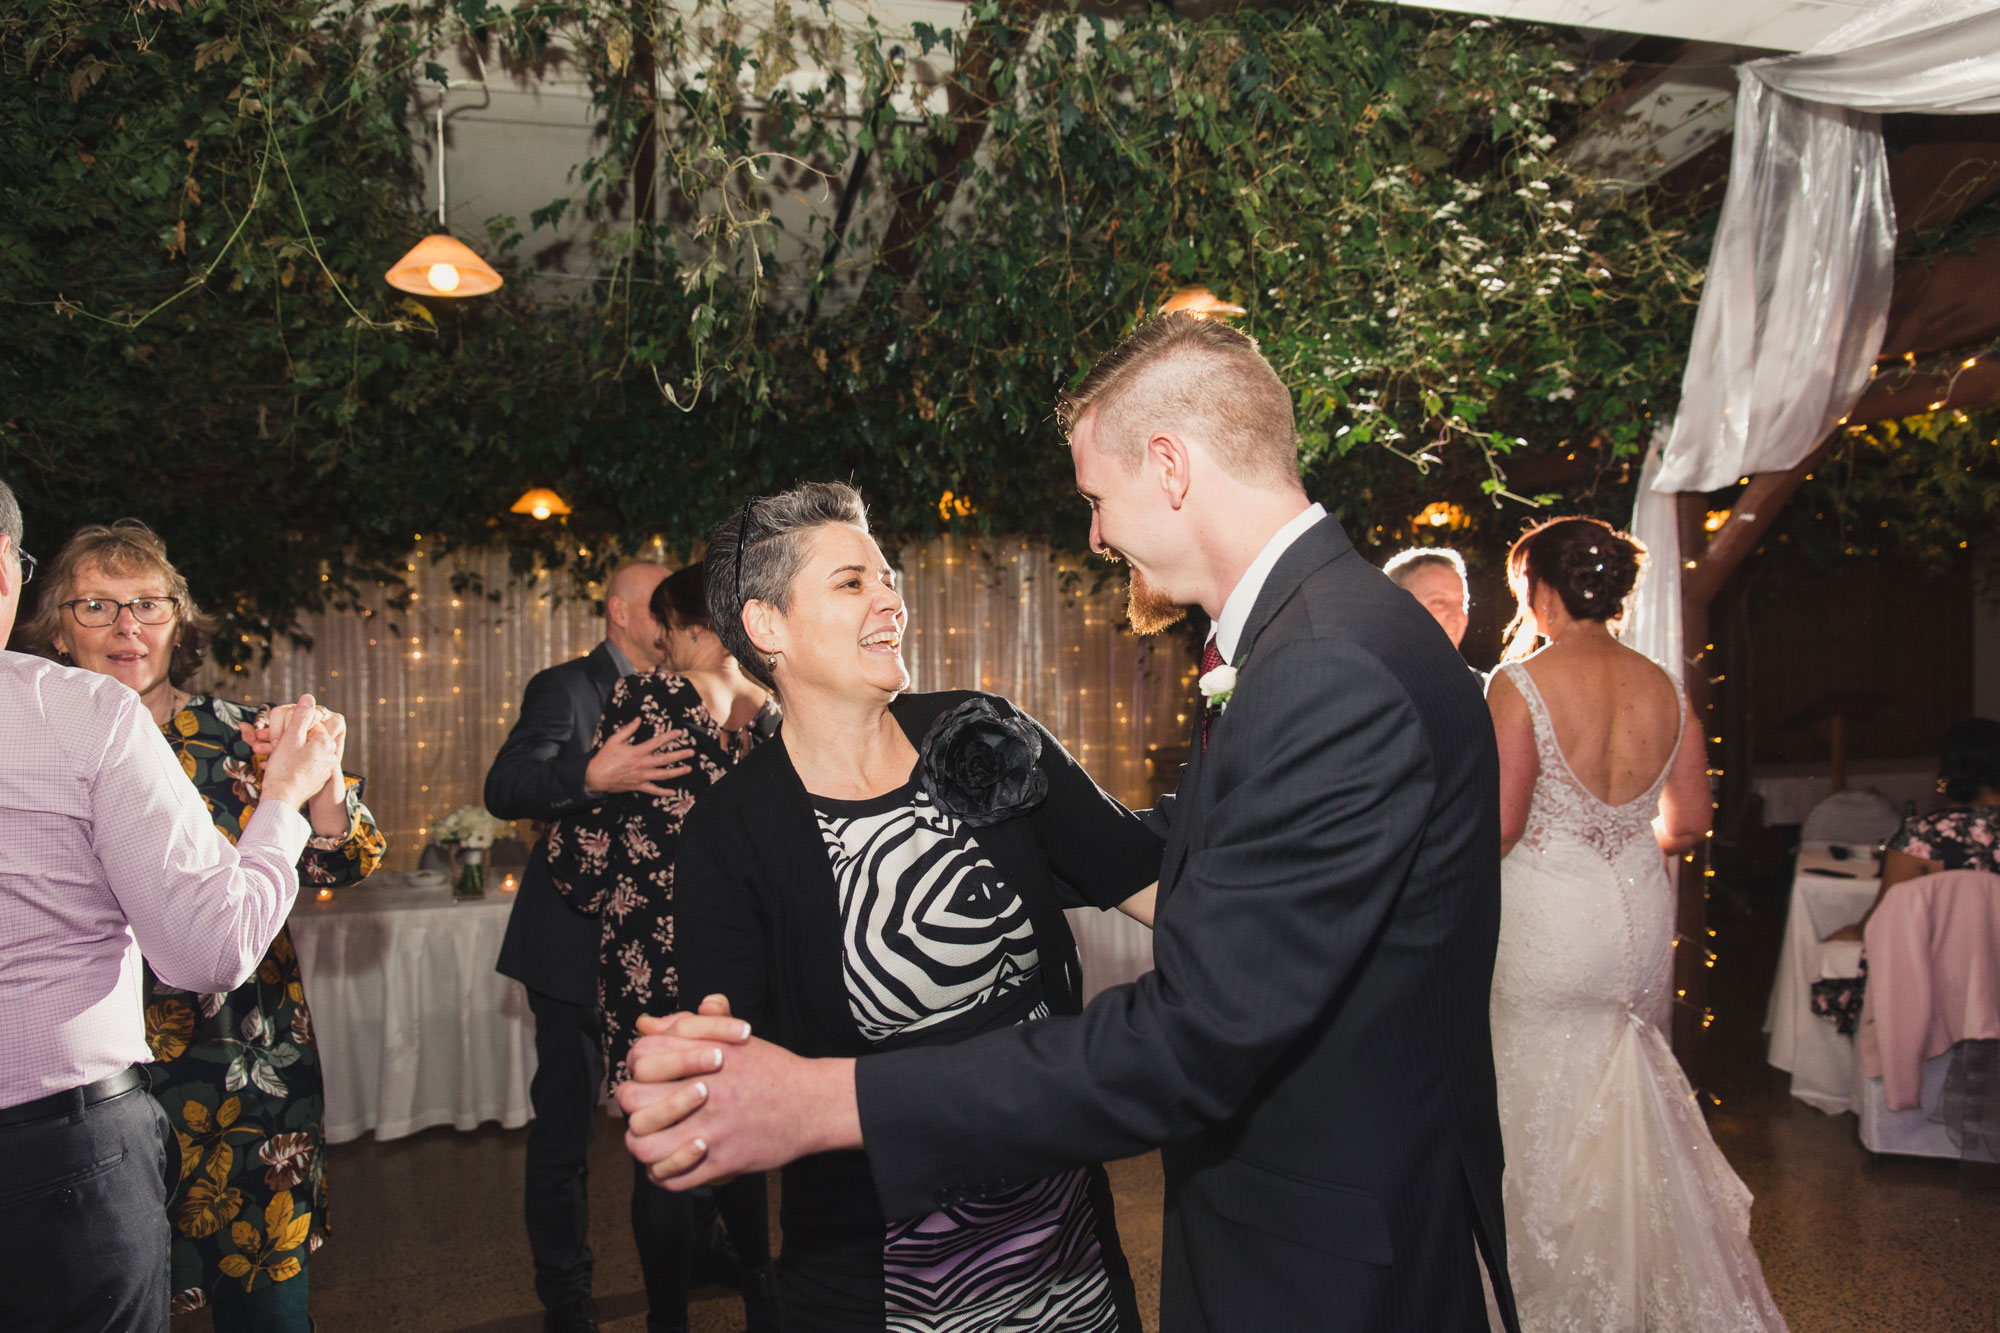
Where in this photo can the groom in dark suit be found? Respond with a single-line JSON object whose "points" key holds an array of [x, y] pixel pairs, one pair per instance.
{"points": [[545, 770], [1311, 1049]]}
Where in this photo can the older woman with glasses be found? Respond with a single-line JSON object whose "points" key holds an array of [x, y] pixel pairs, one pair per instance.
{"points": [[238, 1074]]}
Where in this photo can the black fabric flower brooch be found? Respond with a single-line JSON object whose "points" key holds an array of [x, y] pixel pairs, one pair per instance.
{"points": [[979, 762]]}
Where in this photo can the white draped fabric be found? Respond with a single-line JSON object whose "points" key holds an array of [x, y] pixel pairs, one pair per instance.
{"points": [[1653, 615], [1797, 293]]}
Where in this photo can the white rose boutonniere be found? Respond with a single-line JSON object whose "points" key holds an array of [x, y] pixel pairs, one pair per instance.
{"points": [[1217, 686]]}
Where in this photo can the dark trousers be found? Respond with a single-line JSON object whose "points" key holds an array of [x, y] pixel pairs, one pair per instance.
{"points": [[83, 1219], [569, 1072], [663, 1224]]}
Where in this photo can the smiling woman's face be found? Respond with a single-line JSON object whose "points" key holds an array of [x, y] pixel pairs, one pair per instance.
{"points": [[139, 655], [844, 631]]}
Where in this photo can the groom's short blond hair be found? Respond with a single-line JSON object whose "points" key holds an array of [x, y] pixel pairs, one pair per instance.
{"points": [[1196, 377]]}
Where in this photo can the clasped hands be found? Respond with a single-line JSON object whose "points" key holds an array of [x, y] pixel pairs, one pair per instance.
{"points": [[299, 744], [708, 1102]]}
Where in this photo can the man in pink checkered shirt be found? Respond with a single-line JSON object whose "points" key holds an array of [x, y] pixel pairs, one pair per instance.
{"points": [[106, 851]]}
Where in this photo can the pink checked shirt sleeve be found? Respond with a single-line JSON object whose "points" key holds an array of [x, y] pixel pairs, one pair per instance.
{"points": [[106, 850]]}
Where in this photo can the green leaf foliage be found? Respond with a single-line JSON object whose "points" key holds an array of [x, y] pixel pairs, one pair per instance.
{"points": [[198, 198]]}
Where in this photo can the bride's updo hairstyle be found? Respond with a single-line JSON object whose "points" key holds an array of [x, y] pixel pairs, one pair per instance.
{"points": [[754, 554], [1586, 562]]}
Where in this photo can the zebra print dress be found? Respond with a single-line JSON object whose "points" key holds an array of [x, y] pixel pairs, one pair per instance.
{"points": [[931, 932]]}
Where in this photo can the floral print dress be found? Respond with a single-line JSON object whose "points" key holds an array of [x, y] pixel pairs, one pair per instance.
{"points": [[1966, 838], [238, 1074], [615, 860]]}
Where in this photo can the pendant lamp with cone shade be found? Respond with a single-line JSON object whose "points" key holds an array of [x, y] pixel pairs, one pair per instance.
{"points": [[439, 265], [541, 503]]}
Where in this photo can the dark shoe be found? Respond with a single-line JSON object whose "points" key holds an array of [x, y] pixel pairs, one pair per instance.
{"points": [[579, 1316], [760, 1301]]}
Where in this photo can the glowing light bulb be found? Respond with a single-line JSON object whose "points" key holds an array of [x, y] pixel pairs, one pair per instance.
{"points": [[444, 277], [540, 511]]}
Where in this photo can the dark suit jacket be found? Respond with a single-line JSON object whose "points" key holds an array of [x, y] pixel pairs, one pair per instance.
{"points": [[1312, 1045], [538, 774]]}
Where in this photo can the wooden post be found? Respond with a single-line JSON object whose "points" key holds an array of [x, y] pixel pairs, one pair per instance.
{"points": [[1691, 877], [1708, 562]]}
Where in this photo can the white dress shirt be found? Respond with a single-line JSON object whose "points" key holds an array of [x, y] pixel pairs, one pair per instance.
{"points": [[106, 849], [1227, 628]]}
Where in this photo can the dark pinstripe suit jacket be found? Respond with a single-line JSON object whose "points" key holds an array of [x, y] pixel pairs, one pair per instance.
{"points": [[1312, 1045], [538, 774]]}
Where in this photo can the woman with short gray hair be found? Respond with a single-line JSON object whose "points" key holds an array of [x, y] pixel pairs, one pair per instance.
{"points": [[893, 873]]}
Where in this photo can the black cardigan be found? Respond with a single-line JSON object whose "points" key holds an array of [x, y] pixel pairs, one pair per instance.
{"points": [[756, 907], [757, 918]]}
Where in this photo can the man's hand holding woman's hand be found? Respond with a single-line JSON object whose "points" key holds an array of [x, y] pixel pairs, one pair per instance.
{"points": [[304, 755], [707, 1102], [328, 805]]}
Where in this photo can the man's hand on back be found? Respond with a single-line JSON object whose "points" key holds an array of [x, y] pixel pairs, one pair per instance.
{"points": [[622, 764]]}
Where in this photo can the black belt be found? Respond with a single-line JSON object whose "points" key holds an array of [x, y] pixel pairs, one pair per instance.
{"points": [[76, 1099]]}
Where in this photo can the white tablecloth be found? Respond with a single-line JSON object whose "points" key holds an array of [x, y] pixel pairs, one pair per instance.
{"points": [[1810, 1049], [414, 1026], [1790, 791]]}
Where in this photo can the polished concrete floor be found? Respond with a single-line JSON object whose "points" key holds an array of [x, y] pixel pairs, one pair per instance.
{"points": [[427, 1231]]}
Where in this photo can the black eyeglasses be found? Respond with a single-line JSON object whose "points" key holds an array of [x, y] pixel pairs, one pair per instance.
{"points": [[101, 612], [27, 565]]}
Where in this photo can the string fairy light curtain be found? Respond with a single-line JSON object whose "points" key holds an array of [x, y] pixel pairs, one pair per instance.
{"points": [[431, 692]]}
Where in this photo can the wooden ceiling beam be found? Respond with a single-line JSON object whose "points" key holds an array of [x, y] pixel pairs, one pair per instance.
{"points": [[1894, 396], [1945, 301]]}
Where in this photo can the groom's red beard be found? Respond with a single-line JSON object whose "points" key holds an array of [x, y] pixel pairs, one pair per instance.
{"points": [[1148, 609]]}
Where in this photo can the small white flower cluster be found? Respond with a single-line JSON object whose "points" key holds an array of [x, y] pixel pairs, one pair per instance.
{"points": [[470, 827], [1216, 686]]}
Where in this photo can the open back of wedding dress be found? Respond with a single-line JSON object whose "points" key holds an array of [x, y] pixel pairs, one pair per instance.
{"points": [[1622, 1214]]}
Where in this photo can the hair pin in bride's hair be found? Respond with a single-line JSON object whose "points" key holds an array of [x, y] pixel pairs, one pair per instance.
{"points": [[1593, 551]]}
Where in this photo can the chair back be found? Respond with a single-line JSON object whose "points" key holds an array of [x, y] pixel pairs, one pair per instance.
{"points": [[1933, 948], [1857, 816]]}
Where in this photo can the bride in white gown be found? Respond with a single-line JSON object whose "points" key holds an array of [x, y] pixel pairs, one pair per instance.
{"points": [[1622, 1215]]}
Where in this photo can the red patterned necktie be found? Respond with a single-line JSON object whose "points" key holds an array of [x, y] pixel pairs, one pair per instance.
{"points": [[1211, 658]]}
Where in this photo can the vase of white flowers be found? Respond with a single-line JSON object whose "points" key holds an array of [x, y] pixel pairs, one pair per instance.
{"points": [[469, 831]]}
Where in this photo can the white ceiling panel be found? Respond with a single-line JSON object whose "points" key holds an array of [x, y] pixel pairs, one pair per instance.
{"points": [[1778, 25]]}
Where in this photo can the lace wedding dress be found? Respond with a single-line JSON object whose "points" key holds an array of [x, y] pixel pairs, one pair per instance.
{"points": [[1622, 1215]]}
